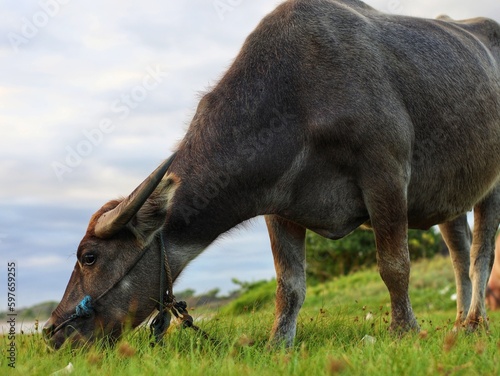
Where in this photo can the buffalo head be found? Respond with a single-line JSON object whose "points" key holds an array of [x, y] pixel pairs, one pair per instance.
{"points": [[117, 262]]}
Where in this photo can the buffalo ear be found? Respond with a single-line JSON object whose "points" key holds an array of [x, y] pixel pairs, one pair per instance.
{"points": [[112, 221], [151, 216]]}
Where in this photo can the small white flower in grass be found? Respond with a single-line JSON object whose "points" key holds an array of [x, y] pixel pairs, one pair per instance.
{"points": [[369, 316], [444, 290], [368, 340], [453, 297], [65, 371]]}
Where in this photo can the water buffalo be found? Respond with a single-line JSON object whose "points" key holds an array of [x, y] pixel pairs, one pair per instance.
{"points": [[333, 115]]}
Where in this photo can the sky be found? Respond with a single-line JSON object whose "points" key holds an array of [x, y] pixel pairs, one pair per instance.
{"points": [[93, 96]]}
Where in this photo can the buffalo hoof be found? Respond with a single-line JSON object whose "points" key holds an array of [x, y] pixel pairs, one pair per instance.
{"points": [[471, 324], [475, 323]]}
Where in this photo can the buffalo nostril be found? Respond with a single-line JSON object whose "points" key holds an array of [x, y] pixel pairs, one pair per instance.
{"points": [[48, 330]]}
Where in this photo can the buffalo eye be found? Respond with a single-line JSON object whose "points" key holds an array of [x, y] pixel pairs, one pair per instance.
{"points": [[88, 259]]}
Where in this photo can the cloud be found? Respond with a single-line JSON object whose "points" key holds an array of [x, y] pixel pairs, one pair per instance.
{"points": [[432, 8], [44, 261]]}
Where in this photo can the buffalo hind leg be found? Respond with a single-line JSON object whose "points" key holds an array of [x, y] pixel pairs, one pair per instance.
{"points": [[288, 246], [387, 206], [458, 238], [486, 221]]}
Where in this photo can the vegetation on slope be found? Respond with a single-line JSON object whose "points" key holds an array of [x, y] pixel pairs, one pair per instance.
{"points": [[342, 330]]}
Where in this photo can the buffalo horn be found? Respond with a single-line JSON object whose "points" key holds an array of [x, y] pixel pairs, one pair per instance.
{"points": [[112, 221]]}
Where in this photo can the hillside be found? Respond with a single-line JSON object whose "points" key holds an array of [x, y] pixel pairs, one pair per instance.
{"points": [[39, 311], [342, 329], [432, 286], [432, 289]]}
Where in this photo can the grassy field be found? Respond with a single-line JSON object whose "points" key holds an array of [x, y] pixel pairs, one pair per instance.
{"points": [[342, 330]]}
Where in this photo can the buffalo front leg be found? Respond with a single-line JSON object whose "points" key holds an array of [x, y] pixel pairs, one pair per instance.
{"points": [[288, 246], [486, 221], [458, 238], [386, 205]]}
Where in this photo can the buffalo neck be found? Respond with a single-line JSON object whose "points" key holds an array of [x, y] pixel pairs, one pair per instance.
{"points": [[243, 138]]}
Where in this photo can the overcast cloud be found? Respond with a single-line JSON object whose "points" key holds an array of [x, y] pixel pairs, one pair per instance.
{"points": [[93, 96]]}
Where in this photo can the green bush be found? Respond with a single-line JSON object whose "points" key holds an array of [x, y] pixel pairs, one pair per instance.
{"points": [[330, 258]]}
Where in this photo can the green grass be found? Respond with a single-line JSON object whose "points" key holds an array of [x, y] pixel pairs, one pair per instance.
{"points": [[329, 340]]}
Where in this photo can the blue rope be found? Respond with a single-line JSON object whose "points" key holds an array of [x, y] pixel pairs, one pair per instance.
{"points": [[84, 308]]}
